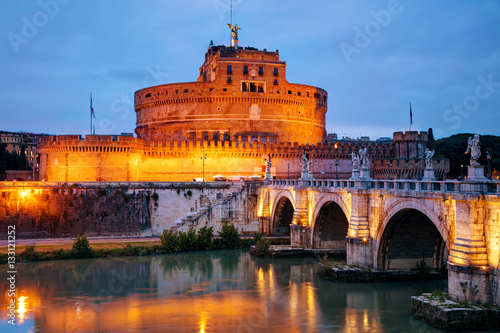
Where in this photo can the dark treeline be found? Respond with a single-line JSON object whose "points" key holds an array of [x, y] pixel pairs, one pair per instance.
{"points": [[454, 148], [12, 161]]}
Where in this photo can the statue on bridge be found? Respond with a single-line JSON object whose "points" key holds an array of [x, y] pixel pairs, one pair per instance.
{"points": [[309, 169], [268, 164], [474, 147], [428, 158], [355, 161], [303, 162], [364, 158]]}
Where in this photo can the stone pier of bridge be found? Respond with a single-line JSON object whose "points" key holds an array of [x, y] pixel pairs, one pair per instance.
{"points": [[395, 224]]}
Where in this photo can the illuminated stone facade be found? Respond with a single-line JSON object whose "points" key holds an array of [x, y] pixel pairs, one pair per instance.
{"points": [[240, 112], [240, 93]]}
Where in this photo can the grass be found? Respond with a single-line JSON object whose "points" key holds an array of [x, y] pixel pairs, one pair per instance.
{"points": [[103, 250]]}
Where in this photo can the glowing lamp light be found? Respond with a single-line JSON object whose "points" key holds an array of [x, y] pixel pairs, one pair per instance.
{"points": [[484, 268], [365, 240], [24, 193]]}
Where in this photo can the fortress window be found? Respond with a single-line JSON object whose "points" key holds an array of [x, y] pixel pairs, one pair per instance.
{"points": [[260, 88], [227, 137], [298, 93], [149, 95], [229, 69], [289, 92], [261, 70], [187, 90], [216, 136], [229, 80], [192, 135], [308, 93], [204, 135], [166, 92], [275, 82], [316, 95], [275, 71], [224, 89], [324, 98], [245, 69], [211, 89]]}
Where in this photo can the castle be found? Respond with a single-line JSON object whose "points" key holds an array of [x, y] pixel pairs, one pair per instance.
{"points": [[240, 112]]}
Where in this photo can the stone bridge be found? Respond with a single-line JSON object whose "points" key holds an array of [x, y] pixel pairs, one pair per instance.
{"points": [[394, 224]]}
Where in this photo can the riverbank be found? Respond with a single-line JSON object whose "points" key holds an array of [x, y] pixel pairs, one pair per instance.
{"points": [[339, 271], [103, 247], [438, 310]]}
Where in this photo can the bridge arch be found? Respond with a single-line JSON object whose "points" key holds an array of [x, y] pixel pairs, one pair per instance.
{"points": [[282, 213], [409, 232], [330, 222]]}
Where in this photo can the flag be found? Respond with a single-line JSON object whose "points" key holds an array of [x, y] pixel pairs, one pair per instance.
{"points": [[91, 107], [411, 116]]}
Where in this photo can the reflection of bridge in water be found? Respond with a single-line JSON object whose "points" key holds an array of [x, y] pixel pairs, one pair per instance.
{"points": [[393, 224]]}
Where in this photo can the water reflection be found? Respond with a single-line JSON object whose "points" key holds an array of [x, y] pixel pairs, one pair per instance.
{"points": [[222, 291]]}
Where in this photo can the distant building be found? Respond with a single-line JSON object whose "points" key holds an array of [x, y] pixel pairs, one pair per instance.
{"points": [[15, 142]]}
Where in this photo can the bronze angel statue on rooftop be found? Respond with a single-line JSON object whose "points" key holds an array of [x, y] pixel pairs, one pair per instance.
{"points": [[234, 30]]}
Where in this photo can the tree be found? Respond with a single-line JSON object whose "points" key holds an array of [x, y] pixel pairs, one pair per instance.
{"points": [[431, 143], [454, 149], [3, 160]]}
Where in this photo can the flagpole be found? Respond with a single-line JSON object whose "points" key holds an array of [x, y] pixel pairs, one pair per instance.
{"points": [[90, 113], [411, 117]]}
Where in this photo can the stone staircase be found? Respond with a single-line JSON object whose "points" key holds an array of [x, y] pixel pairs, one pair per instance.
{"points": [[192, 219]]}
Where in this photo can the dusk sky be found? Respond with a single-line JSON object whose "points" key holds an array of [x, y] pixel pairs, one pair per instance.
{"points": [[373, 58]]}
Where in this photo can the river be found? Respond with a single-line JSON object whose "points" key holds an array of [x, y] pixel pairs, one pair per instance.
{"points": [[218, 291]]}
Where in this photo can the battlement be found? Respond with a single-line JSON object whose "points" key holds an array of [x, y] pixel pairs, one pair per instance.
{"points": [[410, 136], [240, 145]]}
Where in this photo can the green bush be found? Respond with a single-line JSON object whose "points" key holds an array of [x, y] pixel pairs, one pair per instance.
{"points": [[229, 237], [187, 241], [257, 237], [262, 247], [81, 248], [423, 269], [204, 238], [30, 254], [61, 254], [169, 241]]}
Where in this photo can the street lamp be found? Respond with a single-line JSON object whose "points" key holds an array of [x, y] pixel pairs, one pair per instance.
{"points": [[488, 157], [203, 158], [288, 171], [388, 171], [419, 175], [461, 171], [336, 165]]}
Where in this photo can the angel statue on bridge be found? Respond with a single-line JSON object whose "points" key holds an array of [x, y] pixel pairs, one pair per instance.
{"points": [[303, 162], [355, 161], [268, 164], [428, 158], [364, 158], [474, 147]]}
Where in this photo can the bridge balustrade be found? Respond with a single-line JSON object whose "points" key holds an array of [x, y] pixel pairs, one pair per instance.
{"points": [[449, 186]]}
